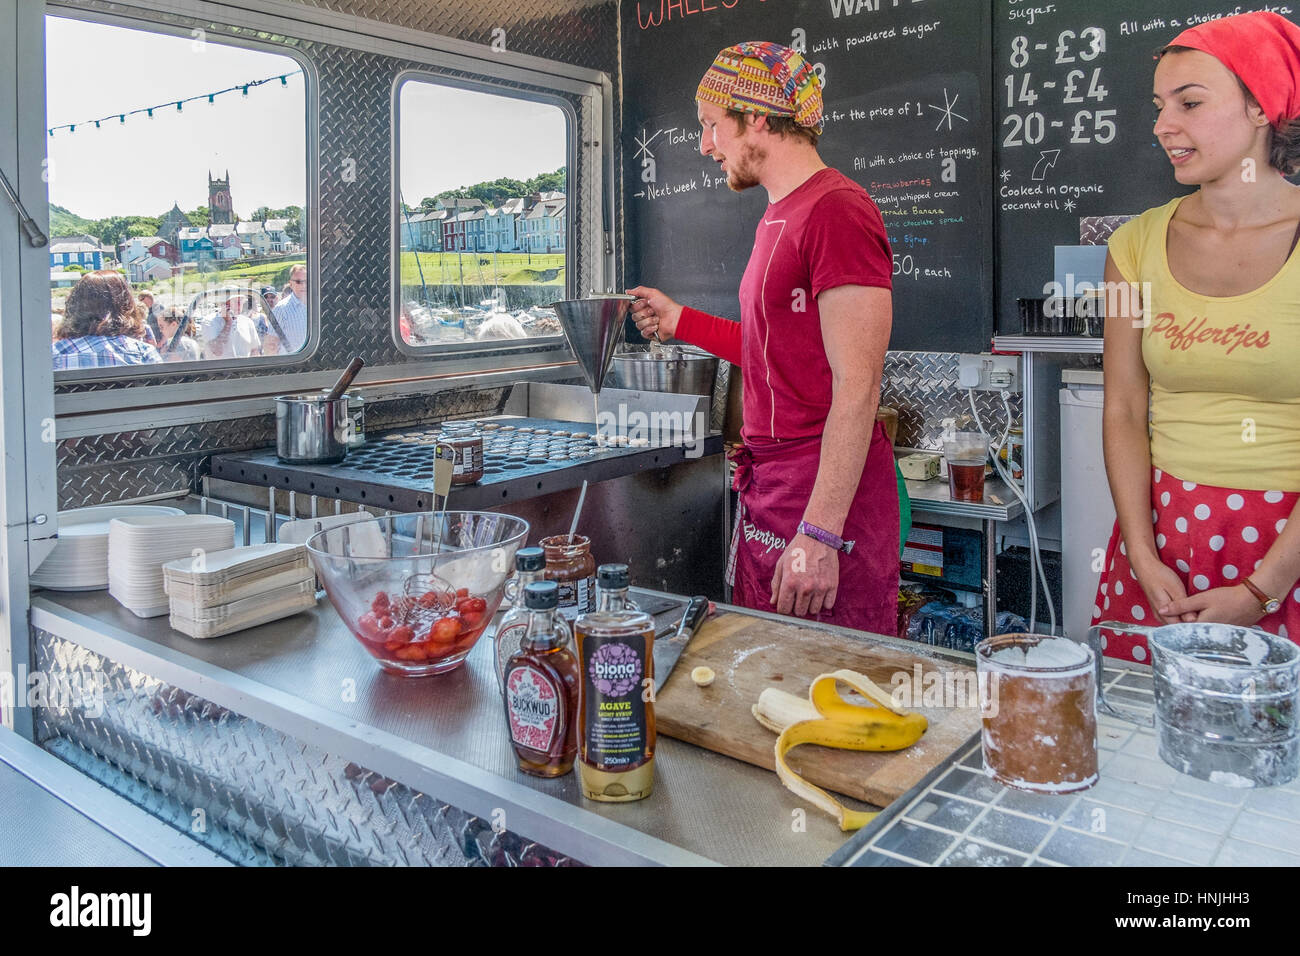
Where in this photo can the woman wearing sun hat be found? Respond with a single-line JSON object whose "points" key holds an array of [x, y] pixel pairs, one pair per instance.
{"points": [[1202, 366]]}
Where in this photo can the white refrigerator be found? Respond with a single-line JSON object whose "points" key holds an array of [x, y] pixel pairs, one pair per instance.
{"points": [[1087, 513]]}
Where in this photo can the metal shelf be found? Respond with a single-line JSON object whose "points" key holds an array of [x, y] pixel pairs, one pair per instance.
{"points": [[1068, 344]]}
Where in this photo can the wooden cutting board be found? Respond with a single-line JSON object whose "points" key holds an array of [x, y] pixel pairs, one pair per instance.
{"points": [[749, 654]]}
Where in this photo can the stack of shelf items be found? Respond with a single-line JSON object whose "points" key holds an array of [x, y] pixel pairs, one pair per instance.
{"points": [[226, 591]]}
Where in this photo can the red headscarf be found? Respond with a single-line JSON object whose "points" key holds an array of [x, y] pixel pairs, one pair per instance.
{"points": [[1261, 48]]}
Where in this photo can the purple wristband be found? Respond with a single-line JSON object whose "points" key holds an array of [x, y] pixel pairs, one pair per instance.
{"points": [[825, 537]]}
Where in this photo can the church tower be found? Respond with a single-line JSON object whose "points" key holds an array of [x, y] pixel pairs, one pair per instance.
{"points": [[219, 206]]}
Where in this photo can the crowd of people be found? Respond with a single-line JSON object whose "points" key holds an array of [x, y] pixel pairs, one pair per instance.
{"points": [[106, 323]]}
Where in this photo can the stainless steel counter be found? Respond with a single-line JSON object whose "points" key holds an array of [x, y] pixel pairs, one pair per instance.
{"points": [[66, 819], [1141, 812], [308, 678]]}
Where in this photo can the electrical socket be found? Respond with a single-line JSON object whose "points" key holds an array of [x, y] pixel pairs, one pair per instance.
{"points": [[989, 373]]}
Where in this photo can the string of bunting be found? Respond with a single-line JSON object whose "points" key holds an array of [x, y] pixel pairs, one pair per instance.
{"points": [[178, 104]]}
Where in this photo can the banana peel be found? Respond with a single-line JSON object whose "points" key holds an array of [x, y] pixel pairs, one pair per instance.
{"points": [[825, 718]]}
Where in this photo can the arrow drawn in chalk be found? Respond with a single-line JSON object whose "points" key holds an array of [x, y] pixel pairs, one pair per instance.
{"points": [[1046, 161]]}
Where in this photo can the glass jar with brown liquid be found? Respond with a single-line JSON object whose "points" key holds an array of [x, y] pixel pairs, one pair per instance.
{"points": [[541, 689], [616, 712], [570, 565], [467, 442]]}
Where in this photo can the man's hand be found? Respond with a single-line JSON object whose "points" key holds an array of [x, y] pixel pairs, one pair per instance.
{"points": [[1231, 605], [654, 313], [807, 578]]}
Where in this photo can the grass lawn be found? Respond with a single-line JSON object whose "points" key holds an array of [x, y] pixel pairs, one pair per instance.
{"points": [[483, 268]]}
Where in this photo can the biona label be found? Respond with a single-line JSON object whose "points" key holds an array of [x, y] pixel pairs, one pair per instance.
{"points": [[534, 705], [615, 718]]}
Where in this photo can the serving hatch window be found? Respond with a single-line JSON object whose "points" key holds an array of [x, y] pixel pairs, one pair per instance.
{"points": [[483, 215], [177, 171]]}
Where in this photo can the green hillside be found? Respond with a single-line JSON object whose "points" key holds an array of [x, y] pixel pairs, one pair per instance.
{"points": [[66, 223]]}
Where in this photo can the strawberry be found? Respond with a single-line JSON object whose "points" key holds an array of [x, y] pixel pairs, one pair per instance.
{"points": [[471, 605], [445, 630], [368, 627]]}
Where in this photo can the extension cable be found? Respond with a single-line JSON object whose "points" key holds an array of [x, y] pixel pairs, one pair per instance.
{"points": [[1034, 549]]}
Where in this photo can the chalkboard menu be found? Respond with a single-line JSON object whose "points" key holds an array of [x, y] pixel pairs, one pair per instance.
{"points": [[907, 93], [1073, 83]]}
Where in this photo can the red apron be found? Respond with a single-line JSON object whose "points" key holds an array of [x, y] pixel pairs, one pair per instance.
{"points": [[775, 481]]}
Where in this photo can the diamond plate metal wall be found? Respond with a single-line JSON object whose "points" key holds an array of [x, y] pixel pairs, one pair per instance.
{"points": [[923, 387], [250, 793], [582, 32], [102, 469]]}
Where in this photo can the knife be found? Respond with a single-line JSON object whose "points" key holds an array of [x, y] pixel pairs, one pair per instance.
{"points": [[669, 648]]}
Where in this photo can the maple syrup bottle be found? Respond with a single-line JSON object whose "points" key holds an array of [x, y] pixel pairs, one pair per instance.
{"points": [[529, 564], [541, 688]]}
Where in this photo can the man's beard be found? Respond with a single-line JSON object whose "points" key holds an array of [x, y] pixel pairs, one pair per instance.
{"points": [[741, 176]]}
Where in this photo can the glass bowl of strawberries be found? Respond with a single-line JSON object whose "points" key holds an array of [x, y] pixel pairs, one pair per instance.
{"points": [[418, 590]]}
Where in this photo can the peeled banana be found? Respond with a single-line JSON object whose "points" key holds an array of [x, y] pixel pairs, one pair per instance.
{"points": [[827, 719]]}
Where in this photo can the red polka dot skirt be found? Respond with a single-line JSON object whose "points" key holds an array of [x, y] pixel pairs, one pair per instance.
{"points": [[1213, 537]]}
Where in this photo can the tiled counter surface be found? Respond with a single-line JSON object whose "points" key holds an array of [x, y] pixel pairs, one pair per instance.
{"points": [[1142, 812]]}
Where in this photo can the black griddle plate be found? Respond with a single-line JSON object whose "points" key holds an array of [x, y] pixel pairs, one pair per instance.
{"points": [[523, 458]]}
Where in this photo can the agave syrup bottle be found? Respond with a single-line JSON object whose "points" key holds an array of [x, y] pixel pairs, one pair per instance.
{"points": [[611, 588], [616, 717]]}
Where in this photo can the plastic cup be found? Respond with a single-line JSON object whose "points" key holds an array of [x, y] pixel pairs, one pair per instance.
{"points": [[965, 453]]}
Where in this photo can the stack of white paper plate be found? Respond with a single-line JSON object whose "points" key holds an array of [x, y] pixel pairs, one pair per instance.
{"points": [[79, 561], [138, 547]]}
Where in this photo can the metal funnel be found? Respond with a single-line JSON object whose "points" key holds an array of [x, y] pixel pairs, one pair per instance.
{"points": [[594, 328]]}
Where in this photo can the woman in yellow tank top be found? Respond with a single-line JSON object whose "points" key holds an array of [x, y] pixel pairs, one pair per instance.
{"points": [[1202, 363]]}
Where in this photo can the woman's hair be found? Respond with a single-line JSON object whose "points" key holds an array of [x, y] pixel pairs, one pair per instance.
{"points": [[1283, 141], [177, 314], [101, 303]]}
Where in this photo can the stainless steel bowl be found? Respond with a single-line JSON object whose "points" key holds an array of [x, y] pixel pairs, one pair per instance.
{"points": [[311, 430], [686, 371]]}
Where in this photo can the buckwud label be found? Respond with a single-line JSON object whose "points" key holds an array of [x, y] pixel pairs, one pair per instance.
{"points": [[534, 705]]}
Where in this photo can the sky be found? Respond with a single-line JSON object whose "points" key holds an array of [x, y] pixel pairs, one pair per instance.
{"points": [[142, 166], [519, 138]]}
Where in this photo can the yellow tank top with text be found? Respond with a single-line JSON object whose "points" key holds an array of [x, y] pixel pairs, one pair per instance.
{"points": [[1225, 372]]}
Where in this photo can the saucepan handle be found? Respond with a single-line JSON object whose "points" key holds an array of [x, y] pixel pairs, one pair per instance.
{"points": [[1094, 642]]}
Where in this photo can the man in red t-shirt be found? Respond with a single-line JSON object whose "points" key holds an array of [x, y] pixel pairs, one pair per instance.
{"points": [[817, 531]]}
